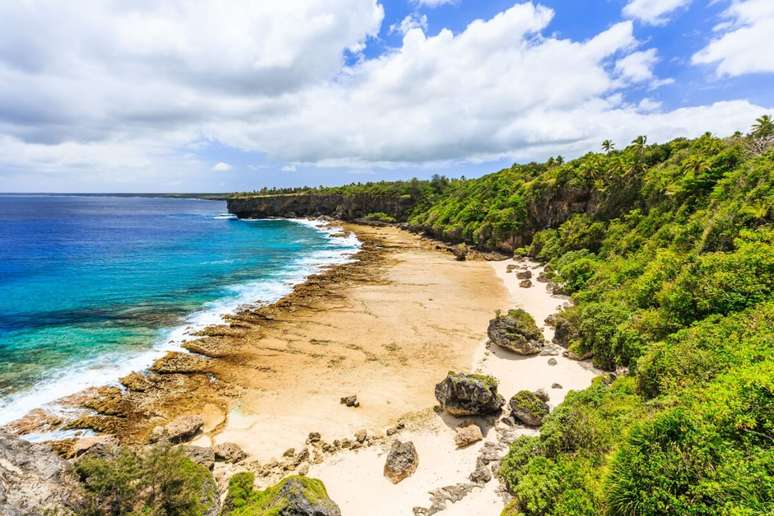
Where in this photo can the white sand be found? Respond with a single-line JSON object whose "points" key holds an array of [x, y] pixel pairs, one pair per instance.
{"points": [[355, 480]]}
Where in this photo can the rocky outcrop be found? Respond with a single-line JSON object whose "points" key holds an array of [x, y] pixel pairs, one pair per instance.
{"points": [[341, 206], [34, 480], [529, 407], [180, 430], [229, 452], [292, 496], [402, 461], [201, 455], [469, 394], [517, 332]]}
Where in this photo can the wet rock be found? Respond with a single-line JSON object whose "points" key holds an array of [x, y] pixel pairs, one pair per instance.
{"points": [[229, 452], [402, 461], [34, 480], [556, 385], [530, 408], [135, 381], [207, 347], [510, 267], [314, 437], [466, 434], [557, 290], [34, 421], [524, 274], [201, 455], [182, 363], [525, 283], [517, 332], [552, 361], [543, 277], [469, 394], [350, 401], [360, 436], [182, 429], [105, 400]]}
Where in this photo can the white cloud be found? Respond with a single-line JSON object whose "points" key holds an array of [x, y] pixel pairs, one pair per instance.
{"points": [[289, 168], [128, 93], [745, 44], [637, 67], [412, 21], [653, 12], [648, 105], [222, 167]]}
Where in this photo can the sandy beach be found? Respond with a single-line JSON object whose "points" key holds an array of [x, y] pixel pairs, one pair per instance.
{"points": [[386, 327], [443, 472], [387, 336]]}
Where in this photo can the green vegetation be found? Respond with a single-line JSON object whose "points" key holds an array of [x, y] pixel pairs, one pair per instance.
{"points": [[490, 382], [379, 216], [244, 500], [528, 407], [159, 481], [416, 195], [675, 285], [523, 326]]}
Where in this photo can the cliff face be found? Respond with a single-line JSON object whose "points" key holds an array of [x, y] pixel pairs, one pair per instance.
{"points": [[345, 207]]}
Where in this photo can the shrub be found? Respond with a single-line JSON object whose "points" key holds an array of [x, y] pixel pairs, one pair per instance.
{"points": [[159, 480]]}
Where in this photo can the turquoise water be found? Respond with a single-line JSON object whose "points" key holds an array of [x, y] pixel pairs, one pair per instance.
{"points": [[94, 287]]}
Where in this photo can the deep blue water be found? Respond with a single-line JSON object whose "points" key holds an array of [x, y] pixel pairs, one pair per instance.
{"points": [[93, 287]]}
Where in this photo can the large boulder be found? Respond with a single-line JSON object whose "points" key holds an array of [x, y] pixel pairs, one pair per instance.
{"points": [[229, 452], [469, 394], [402, 461], [34, 480], [292, 496], [182, 429], [565, 328], [529, 407], [517, 332]]}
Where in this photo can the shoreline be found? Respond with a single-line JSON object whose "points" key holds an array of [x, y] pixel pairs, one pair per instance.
{"points": [[207, 378], [271, 376], [107, 370]]}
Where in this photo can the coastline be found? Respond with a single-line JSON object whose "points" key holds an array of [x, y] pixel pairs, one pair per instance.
{"points": [[272, 375], [70, 383], [221, 366]]}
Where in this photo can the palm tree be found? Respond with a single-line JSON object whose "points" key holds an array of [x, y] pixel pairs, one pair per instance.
{"points": [[640, 141], [762, 135], [608, 146], [763, 127]]}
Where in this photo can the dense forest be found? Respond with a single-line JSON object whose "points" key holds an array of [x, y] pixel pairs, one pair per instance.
{"points": [[668, 253]]}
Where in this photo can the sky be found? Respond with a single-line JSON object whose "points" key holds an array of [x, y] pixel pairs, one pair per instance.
{"points": [[212, 96]]}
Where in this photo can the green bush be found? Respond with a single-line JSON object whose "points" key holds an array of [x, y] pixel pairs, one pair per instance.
{"points": [[159, 480], [379, 216]]}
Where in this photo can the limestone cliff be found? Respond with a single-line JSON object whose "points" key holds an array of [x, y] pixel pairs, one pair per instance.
{"points": [[341, 206]]}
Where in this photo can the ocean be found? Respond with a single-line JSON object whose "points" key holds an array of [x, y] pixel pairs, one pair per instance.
{"points": [[92, 288]]}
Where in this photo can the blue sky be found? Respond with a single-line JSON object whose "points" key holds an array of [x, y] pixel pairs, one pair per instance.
{"points": [[197, 95]]}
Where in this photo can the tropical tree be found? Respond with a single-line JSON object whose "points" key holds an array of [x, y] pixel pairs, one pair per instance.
{"points": [[608, 146], [762, 135]]}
